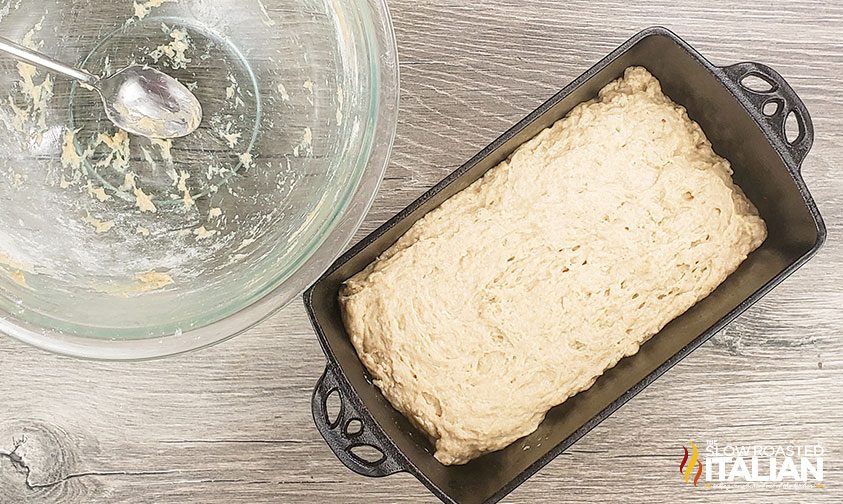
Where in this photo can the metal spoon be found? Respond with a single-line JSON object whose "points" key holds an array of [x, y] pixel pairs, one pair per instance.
{"points": [[138, 99]]}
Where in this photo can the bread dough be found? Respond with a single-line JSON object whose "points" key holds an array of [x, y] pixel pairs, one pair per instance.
{"points": [[175, 50], [143, 9], [150, 281], [521, 290], [99, 226], [142, 200]]}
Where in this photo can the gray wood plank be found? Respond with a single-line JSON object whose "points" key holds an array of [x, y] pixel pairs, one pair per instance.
{"points": [[232, 423]]}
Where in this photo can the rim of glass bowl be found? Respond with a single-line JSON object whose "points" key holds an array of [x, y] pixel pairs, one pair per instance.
{"points": [[338, 232]]}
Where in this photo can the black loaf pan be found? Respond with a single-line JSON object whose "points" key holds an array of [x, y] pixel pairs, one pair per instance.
{"points": [[766, 166]]}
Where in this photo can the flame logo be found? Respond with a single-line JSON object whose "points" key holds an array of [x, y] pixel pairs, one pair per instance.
{"points": [[686, 467]]}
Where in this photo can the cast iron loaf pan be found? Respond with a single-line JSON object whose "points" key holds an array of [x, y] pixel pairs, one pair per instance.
{"points": [[767, 167]]}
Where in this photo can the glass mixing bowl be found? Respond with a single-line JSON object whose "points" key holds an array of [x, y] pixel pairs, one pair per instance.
{"points": [[118, 247]]}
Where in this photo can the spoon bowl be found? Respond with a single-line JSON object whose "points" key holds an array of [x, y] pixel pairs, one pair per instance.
{"points": [[150, 103]]}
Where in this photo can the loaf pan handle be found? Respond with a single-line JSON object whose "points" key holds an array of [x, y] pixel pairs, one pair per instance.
{"points": [[350, 431], [779, 94]]}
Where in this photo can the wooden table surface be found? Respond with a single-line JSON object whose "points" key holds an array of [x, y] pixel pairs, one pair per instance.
{"points": [[232, 424]]}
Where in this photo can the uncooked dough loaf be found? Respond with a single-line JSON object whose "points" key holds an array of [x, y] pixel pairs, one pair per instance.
{"points": [[519, 291]]}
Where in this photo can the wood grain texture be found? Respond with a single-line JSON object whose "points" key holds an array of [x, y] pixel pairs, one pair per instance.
{"points": [[232, 423]]}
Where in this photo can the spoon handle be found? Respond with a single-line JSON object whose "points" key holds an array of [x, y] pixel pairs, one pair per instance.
{"points": [[28, 55]]}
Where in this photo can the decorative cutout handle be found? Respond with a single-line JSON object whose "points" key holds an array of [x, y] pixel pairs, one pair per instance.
{"points": [[777, 93], [348, 433]]}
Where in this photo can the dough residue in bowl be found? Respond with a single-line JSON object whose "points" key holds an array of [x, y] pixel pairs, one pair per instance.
{"points": [[142, 9]]}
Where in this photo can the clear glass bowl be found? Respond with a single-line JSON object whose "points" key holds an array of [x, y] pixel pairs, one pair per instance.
{"points": [[118, 247]]}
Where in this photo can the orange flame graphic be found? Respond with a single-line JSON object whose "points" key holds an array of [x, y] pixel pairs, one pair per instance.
{"points": [[686, 467]]}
